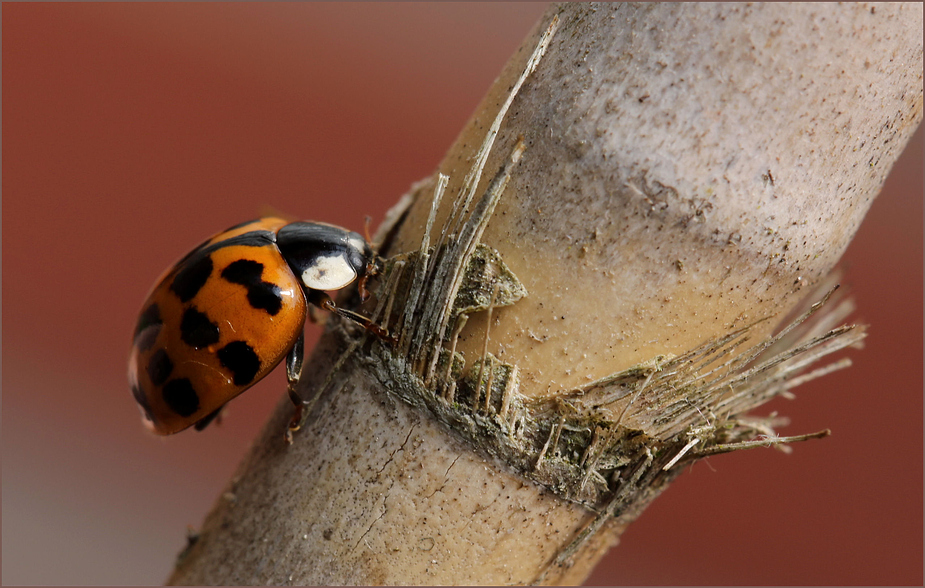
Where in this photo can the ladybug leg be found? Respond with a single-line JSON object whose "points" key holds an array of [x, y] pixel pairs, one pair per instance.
{"points": [[293, 374], [204, 421], [361, 288], [294, 368], [324, 301]]}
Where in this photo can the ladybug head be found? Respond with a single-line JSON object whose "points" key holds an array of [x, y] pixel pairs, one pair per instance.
{"points": [[324, 257]]}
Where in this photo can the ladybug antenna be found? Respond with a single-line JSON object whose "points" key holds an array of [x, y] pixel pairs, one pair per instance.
{"points": [[366, 220]]}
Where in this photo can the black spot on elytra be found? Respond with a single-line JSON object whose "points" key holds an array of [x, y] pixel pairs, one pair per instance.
{"points": [[159, 367], [197, 330], [194, 264], [244, 271], [148, 328], [181, 397], [240, 358], [150, 316], [138, 395], [262, 295], [189, 280]]}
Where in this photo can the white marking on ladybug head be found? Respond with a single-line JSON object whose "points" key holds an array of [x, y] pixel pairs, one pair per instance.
{"points": [[329, 273], [357, 243]]}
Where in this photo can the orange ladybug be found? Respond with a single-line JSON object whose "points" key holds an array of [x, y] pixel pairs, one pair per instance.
{"points": [[228, 312]]}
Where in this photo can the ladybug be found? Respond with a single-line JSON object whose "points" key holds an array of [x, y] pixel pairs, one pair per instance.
{"points": [[226, 314]]}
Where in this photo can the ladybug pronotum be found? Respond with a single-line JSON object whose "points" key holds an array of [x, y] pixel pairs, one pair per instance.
{"points": [[226, 314]]}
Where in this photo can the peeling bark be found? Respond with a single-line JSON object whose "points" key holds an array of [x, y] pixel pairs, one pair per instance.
{"points": [[590, 291]]}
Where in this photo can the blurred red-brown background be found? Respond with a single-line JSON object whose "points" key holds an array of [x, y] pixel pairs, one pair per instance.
{"points": [[133, 131]]}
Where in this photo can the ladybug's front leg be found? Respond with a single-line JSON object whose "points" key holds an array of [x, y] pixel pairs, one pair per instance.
{"points": [[324, 301], [293, 374]]}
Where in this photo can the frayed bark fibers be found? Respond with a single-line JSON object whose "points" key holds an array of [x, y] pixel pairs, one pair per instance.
{"points": [[627, 250]]}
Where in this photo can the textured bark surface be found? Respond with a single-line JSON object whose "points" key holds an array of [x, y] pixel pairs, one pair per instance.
{"points": [[688, 169], [375, 493]]}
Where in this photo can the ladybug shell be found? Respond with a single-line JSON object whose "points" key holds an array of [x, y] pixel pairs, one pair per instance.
{"points": [[216, 323]]}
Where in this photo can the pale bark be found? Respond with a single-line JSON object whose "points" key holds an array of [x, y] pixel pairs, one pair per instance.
{"points": [[688, 170]]}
